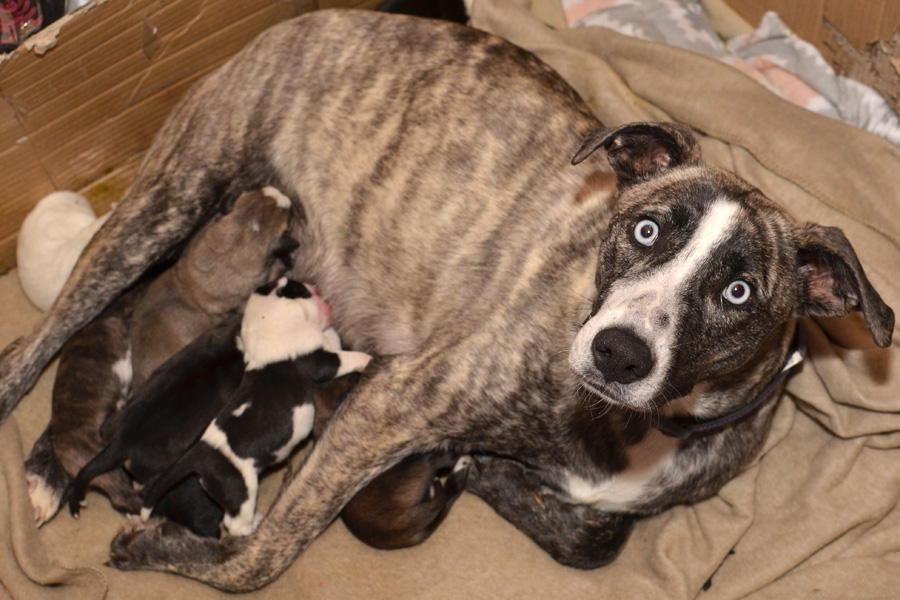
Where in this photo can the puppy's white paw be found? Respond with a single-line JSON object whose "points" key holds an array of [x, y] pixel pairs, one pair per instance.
{"points": [[352, 362], [243, 524], [44, 499]]}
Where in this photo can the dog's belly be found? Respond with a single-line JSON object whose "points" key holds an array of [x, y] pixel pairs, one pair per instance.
{"points": [[393, 166]]}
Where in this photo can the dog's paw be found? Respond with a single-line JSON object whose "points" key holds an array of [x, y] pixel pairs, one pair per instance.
{"points": [[127, 549], [145, 545], [75, 506], [44, 498], [332, 341], [160, 545]]}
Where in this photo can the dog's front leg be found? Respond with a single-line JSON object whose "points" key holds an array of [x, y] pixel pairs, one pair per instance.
{"points": [[176, 189], [378, 424], [575, 535]]}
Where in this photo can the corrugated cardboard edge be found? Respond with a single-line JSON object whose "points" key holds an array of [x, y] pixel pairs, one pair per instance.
{"points": [[46, 39]]}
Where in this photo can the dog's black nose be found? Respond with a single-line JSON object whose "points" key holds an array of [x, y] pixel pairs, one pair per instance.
{"points": [[621, 356]]}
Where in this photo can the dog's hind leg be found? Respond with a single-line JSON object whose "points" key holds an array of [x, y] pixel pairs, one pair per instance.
{"points": [[576, 535], [383, 420]]}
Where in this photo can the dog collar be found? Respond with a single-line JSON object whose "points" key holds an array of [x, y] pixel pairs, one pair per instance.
{"points": [[671, 428]]}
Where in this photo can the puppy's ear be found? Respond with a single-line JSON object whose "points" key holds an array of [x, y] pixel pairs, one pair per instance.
{"points": [[833, 283], [293, 290], [639, 151], [267, 288]]}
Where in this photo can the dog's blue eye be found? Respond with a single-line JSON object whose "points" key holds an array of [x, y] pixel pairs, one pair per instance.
{"points": [[646, 232], [737, 292]]}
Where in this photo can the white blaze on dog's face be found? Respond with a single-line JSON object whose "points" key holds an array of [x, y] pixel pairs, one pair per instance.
{"points": [[282, 320]]}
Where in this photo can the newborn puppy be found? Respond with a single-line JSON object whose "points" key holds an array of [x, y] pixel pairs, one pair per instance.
{"points": [[168, 413], [288, 353], [92, 381], [221, 267], [404, 505]]}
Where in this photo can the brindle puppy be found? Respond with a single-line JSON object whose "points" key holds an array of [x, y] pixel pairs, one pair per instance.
{"points": [[448, 228], [403, 506], [93, 380]]}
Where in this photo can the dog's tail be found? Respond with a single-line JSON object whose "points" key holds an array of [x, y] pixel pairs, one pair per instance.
{"points": [[108, 459]]}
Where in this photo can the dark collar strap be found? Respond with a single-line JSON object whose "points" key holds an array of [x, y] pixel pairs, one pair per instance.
{"points": [[682, 431]]}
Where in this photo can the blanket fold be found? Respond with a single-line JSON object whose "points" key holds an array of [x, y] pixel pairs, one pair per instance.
{"points": [[26, 571]]}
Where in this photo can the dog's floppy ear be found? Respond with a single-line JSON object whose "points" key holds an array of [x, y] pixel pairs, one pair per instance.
{"points": [[639, 151], [833, 283]]}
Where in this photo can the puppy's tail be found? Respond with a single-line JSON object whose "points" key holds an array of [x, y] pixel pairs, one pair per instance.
{"points": [[108, 459]]}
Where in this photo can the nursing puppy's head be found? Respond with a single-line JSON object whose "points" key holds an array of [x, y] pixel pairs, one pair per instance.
{"points": [[699, 274], [240, 251], [283, 319]]}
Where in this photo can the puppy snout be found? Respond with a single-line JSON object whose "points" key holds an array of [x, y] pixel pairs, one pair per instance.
{"points": [[621, 356]]}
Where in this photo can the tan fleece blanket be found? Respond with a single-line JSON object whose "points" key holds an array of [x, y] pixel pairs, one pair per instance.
{"points": [[816, 515]]}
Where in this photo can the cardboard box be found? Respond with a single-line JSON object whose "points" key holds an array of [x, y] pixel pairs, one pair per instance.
{"points": [[861, 21], [82, 101]]}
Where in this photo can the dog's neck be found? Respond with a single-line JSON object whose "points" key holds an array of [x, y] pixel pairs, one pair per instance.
{"points": [[707, 402], [706, 410]]}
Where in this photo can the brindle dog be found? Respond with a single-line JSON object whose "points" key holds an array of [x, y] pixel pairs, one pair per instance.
{"points": [[446, 225]]}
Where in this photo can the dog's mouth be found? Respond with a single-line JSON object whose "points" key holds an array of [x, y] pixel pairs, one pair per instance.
{"points": [[606, 394]]}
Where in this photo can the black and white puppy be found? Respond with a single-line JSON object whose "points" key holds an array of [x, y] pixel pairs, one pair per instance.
{"points": [[289, 349]]}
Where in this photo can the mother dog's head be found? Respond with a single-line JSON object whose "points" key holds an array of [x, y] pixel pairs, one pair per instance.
{"points": [[700, 275]]}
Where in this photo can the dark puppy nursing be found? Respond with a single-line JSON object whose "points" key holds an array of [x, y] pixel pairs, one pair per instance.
{"points": [[404, 505], [167, 414]]}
